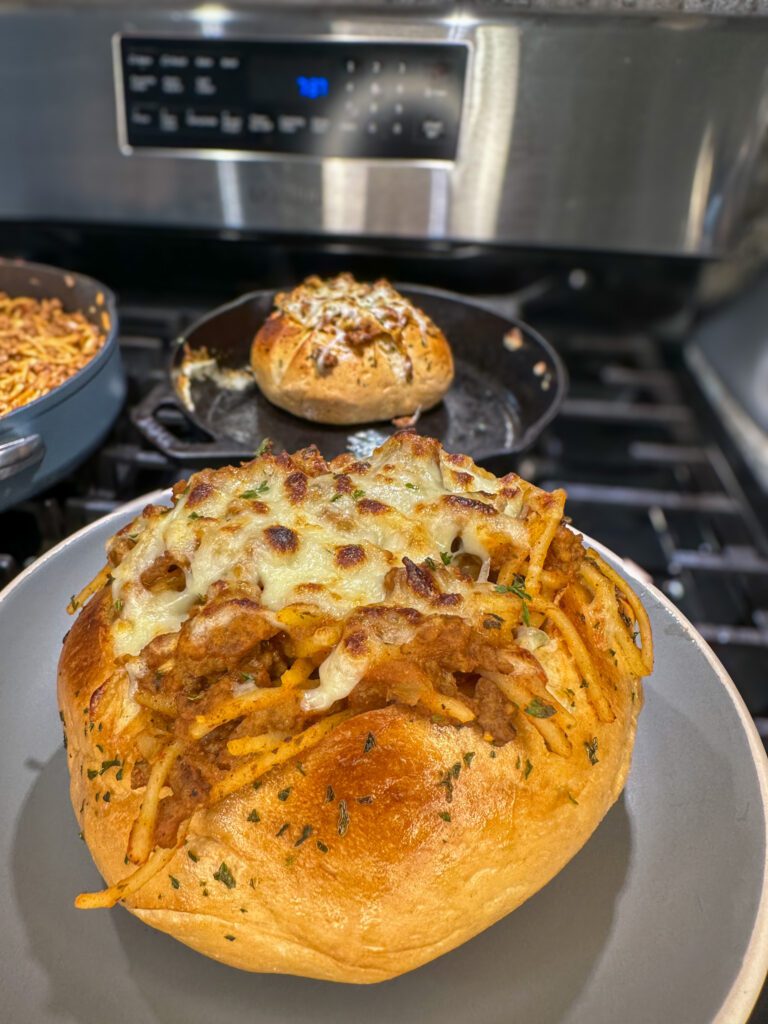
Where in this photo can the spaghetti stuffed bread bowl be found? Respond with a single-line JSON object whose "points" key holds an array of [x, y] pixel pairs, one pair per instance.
{"points": [[335, 719]]}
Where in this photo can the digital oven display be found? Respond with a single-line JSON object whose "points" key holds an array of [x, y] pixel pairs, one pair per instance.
{"points": [[371, 100]]}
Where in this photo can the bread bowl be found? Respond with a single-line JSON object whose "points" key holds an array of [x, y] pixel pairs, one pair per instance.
{"points": [[342, 351], [334, 720]]}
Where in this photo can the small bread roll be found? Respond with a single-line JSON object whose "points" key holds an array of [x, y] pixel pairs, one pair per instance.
{"points": [[339, 351]]}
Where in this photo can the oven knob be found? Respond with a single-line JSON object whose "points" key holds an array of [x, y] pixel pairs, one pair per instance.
{"points": [[350, 65], [397, 128], [319, 125], [229, 63]]}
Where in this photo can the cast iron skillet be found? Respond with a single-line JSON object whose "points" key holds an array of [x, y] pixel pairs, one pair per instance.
{"points": [[509, 384], [43, 440]]}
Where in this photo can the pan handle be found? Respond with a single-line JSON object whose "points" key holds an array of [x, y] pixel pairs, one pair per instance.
{"points": [[189, 453], [19, 454]]}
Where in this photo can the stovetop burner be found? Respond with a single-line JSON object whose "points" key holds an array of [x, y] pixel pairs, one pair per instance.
{"points": [[643, 463]]}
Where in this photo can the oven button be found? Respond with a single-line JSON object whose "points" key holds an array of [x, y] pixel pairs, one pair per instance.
{"points": [[348, 127], [372, 128], [141, 83], [397, 128], [398, 108], [229, 63], [203, 62], [350, 65], [376, 67], [260, 124], [205, 85], [169, 121], [291, 124], [174, 60], [432, 129], [172, 85], [139, 60], [319, 125], [142, 117], [231, 122], [402, 67], [200, 119]]}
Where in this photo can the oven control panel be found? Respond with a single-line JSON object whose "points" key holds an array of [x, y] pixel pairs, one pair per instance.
{"points": [[373, 100]]}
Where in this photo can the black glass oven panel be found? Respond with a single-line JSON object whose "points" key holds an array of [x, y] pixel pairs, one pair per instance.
{"points": [[370, 100]]}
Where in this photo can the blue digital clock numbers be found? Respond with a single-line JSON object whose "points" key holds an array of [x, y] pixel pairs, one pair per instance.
{"points": [[312, 87]]}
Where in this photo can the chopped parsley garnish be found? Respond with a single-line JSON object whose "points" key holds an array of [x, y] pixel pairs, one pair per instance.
{"points": [[430, 563], [92, 773], [254, 816], [572, 798], [194, 515], [283, 829], [357, 493], [469, 757], [583, 684], [445, 815], [411, 487], [105, 765], [321, 846], [591, 748], [284, 794], [246, 677], [257, 784], [526, 614], [230, 938], [365, 799], [118, 606], [193, 856], [343, 818], [517, 587], [175, 882], [456, 770], [262, 447], [447, 781], [107, 797], [337, 496], [446, 558], [370, 743], [330, 796], [224, 875], [300, 768], [261, 489], [306, 832], [538, 709], [73, 603], [528, 768], [119, 774]]}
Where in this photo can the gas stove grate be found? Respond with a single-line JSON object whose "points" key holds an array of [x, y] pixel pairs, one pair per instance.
{"points": [[641, 463]]}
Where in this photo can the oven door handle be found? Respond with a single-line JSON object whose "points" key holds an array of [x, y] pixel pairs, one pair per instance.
{"points": [[145, 417], [20, 454]]}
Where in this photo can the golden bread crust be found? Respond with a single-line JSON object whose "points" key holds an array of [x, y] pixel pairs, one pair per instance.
{"points": [[408, 827], [310, 367]]}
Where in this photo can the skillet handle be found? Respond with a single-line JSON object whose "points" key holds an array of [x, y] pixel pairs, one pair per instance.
{"points": [[189, 453], [19, 454]]}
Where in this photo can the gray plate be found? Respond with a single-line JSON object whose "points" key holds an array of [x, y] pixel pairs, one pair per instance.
{"points": [[661, 919]]}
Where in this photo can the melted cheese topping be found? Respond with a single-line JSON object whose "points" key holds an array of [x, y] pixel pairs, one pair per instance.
{"points": [[328, 540], [343, 302]]}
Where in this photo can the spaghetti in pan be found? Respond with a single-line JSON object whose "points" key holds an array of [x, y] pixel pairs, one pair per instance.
{"points": [[335, 719]]}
